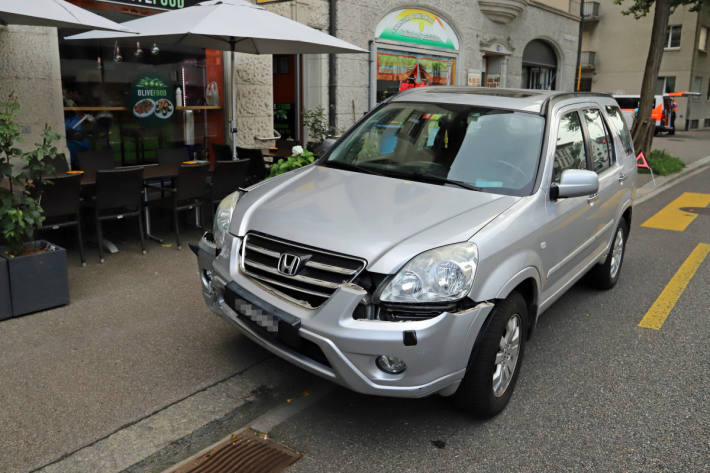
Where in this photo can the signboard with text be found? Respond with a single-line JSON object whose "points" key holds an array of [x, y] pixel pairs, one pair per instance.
{"points": [[152, 100], [420, 27]]}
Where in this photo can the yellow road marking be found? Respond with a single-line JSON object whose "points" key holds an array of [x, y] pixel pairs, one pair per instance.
{"points": [[658, 313], [671, 217]]}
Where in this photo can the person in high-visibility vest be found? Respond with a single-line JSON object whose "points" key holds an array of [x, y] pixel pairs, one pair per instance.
{"points": [[674, 110]]}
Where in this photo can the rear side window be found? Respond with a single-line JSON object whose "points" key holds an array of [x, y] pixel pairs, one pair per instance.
{"points": [[570, 152], [600, 141], [618, 122]]}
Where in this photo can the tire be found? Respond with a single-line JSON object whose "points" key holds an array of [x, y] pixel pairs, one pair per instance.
{"points": [[605, 275], [477, 393]]}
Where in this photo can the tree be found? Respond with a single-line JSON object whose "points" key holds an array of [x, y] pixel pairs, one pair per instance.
{"points": [[644, 126]]}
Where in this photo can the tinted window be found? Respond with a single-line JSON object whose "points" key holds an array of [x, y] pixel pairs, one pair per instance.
{"points": [[495, 150], [618, 122], [569, 153], [601, 149]]}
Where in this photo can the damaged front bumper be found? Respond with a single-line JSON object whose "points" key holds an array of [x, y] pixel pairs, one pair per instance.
{"points": [[329, 342]]}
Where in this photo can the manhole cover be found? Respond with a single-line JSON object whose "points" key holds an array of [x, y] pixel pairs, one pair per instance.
{"points": [[247, 452], [696, 210]]}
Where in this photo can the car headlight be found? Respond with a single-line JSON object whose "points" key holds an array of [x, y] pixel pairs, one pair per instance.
{"points": [[439, 275], [223, 217]]}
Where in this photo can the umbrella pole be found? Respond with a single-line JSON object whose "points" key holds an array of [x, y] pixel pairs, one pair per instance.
{"points": [[233, 100]]}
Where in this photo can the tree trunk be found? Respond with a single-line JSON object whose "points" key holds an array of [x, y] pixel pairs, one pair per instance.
{"points": [[644, 127]]}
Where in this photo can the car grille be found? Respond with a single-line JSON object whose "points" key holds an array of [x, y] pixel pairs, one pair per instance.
{"points": [[320, 274]]}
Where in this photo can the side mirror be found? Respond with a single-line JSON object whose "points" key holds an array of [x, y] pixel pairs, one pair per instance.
{"points": [[575, 183], [326, 146]]}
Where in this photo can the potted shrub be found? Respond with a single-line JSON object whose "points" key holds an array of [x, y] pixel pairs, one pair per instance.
{"points": [[299, 158], [35, 270], [318, 130]]}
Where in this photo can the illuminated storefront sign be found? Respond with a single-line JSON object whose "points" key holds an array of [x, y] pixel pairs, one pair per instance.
{"points": [[419, 27], [162, 4]]}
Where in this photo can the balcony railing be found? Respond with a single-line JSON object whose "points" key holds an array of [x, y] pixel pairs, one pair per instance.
{"points": [[590, 11], [587, 60]]}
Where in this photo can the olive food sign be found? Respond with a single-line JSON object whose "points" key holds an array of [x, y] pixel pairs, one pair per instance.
{"points": [[152, 100]]}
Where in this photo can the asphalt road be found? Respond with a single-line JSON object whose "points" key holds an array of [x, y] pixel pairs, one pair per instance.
{"points": [[597, 392], [136, 375]]}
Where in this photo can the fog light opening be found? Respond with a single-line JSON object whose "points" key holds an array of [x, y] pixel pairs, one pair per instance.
{"points": [[390, 364]]}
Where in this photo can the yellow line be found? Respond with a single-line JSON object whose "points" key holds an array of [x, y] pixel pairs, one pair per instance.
{"points": [[671, 217], [658, 313]]}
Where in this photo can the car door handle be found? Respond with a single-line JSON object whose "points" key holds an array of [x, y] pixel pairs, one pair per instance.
{"points": [[593, 198], [622, 178]]}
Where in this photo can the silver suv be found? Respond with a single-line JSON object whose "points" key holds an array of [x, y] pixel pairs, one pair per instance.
{"points": [[417, 254]]}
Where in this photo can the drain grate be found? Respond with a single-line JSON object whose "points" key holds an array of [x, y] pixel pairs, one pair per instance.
{"points": [[247, 452]]}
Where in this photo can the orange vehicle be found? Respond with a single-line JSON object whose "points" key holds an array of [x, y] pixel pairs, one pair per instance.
{"points": [[662, 112]]}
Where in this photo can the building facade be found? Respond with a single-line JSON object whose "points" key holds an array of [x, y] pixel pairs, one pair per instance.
{"points": [[615, 48], [490, 43]]}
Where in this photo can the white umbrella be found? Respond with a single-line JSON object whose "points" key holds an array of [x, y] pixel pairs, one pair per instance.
{"points": [[56, 13], [231, 25]]}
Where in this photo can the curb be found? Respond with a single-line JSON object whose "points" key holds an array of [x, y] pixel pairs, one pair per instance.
{"points": [[663, 183]]}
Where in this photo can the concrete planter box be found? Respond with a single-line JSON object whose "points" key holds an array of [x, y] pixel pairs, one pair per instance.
{"points": [[5, 297], [38, 281]]}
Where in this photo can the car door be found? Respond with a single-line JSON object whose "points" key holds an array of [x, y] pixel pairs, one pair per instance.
{"points": [[569, 225], [602, 159]]}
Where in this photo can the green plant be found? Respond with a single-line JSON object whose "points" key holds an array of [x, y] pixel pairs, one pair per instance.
{"points": [[292, 162], [663, 163], [317, 124], [20, 209]]}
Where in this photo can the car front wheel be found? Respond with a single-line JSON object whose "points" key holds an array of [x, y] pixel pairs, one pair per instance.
{"points": [[495, 361]]}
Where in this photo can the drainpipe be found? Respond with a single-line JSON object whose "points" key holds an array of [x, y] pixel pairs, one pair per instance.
{"points": [[578, 72], [332, 81]]}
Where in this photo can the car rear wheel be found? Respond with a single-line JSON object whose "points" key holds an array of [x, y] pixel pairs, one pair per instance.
{"points": [[606, 274], [495, 360]]}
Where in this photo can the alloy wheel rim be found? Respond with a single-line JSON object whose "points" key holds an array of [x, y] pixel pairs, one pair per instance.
{"points": [[506, 360], [616, 253]]}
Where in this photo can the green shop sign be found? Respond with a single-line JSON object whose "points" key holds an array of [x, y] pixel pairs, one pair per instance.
{"points": [[152, 100], [420, 27], [162, 4]]}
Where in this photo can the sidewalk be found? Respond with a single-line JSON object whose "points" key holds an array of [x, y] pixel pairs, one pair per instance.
{"points": [[692, 147]]}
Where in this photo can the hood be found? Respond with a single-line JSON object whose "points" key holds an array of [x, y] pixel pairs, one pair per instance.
{"points": [[384, 220]]}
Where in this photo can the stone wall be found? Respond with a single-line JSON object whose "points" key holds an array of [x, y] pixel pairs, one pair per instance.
{"points": [[357, 20], [29, 67]]}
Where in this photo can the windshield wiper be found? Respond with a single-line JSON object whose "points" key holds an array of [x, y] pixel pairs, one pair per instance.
{"points": [[435, 180], [350, 167]]}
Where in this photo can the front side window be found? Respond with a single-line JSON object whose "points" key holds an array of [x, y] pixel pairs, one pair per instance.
{"points": [[673, 36], [617, 119], [486, 149], [569, 152], [601, 149]]}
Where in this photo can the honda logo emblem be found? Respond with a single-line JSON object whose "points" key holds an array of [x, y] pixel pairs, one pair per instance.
{"points": [[289, 264]]}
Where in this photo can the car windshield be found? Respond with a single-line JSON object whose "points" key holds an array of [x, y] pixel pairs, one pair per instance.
{"points": [[483, 149]]}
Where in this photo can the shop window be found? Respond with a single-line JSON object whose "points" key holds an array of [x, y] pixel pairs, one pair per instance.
{"points": [[672, 36], [399, 70], [135, 102], [706, 123], [570, 152], [539, 66], [693, 124]]}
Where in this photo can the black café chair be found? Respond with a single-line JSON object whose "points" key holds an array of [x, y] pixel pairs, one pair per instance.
{"points": [[190, 192], [228, 176], [58, 164], [257, 168], [222, 152], [172, 156], [95, 160], [61, 206], [118, 195]]}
